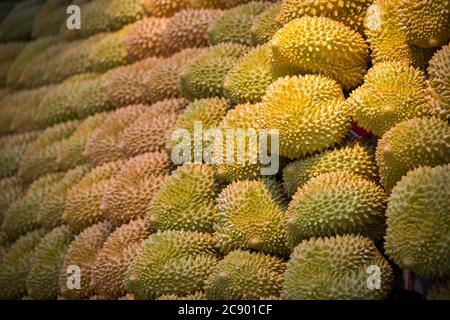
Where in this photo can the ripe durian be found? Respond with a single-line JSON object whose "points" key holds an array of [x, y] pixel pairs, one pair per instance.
{"points": [[189, 29], [53, 203], [355, 157], [46, 262], [172, 262], [391, 93], [162, 82], [8, 52], [439, 80], [265, 25], [92, 97], [205, 77], [40, 157], [319, 45], [164, 8], [103, 143], [246, 275], [151, 131], [249, 219], [249, 78], [425, 23], [186, 201], [336, 203], [130, 192], [11, 189], [308, 113], [146, 38], [349, 12], [198, 295], [411, 144], [125, 85], [439, 290], [16, 266], [79, 260], [117, 253], [21, 215], [83, 200], [18, 24], [337, 268], [417, 234]]}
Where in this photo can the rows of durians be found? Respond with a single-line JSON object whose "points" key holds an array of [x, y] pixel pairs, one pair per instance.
{"points": [[86, 118]]}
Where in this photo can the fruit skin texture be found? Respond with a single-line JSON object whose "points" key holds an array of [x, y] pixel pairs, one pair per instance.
{"points": [[425, 23], [439, 80], [265, 25], [82, 207], [235, 24], [308, 113], [439, 290], [246, 275], [411, 144], [172, 262], [46, 262], [205, 76], [349, 12], [319, 45], [186, 201], [82, 252], [391, 93], [249, 219], [16, 266], [417, 234], [313, 211], [335, 268], [115, 256], [355, 157], [11, 189], [249, 78]]}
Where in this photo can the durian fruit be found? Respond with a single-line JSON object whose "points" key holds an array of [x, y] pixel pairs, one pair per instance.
{"points": [[103, 143], [16, 266], [249, 78], [356, 157], [8, 52], [146, 38], [439, 80], [198, 295], [205, 112], [386, 40], [21, 215], [189, 29], [130, 192], [125, 85], [205, 77], [172, 262], [322, 46], [417, 234], [347, 267], [249, 219], [113, 259], [349, 12], [11, 151], [391, 93], [439, 290], [162, 82], [308, 113], [336, 203], [235, 24], [266, 25], [18, 24], [76, 272], [11, 189], [164, 8], [186, 201], [40, 157], [46, 262], [411, 144], [152, 129], [31, 50], [53, 203], [244, 275], [70, 152], [82, 208], [425, 23]]}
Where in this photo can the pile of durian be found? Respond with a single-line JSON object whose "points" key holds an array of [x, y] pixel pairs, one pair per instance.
{"points": [[88, 183]]}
